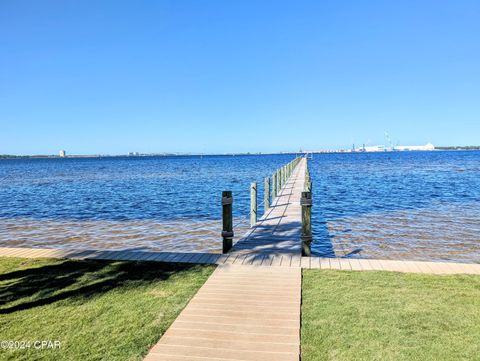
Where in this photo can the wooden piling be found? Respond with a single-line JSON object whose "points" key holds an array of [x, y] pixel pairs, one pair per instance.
{"points": [[282, 178], [267, 195], [227, 219], [306, 237], [274, 185], [279, 185], [253, 204], [308, 181]]}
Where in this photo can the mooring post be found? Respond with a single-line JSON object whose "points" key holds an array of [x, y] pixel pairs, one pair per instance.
{"points": [[279, 180], [306, 203], [274, 185], [253, 203], [227, 218], [267, 195], [308, 180]]}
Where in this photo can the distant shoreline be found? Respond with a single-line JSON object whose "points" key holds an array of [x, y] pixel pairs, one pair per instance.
{"points": [[40, 156], [8, 156]]}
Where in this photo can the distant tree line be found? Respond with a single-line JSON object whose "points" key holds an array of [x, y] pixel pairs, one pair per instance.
{"points": [[468, 147], [3, 156]]}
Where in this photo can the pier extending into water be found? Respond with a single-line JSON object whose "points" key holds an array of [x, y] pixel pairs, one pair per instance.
{"points": [[249, 309]]}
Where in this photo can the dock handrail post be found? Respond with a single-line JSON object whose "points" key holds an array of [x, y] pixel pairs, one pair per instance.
{"points": [[279, 179], [253, 203], [267, 194], [308, 180], [274, 185], [227, 220], [279, 172], [306, 237]]}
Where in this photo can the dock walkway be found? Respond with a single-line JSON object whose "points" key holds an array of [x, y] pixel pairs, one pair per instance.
{"points": [[277, 232], [283, 261], [247, 313]]}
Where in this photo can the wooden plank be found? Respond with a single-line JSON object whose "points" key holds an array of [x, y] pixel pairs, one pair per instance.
{"points": [[262, 314]]}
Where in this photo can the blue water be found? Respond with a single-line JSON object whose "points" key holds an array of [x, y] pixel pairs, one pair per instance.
{"points": [[411, 205], [143, 202]]}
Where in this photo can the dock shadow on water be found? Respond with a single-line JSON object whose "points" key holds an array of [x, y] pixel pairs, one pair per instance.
{"points": [[76, 280], [323, 240]]}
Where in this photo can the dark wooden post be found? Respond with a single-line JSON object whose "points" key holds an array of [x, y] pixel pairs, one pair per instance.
{"points": [[227, 218], [267, 195], [306, 203], [308, 180], [279, 186], [274, 185]]}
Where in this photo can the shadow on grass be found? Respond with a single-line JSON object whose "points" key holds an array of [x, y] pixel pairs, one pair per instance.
{"points": [[78, 280]]}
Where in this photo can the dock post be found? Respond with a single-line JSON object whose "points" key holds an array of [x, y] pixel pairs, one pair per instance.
{"points": [[308, 180], [227, 219], [306, 203], [267, 195], [279, 180], [281, 177], [274, 185], [253, 203]]}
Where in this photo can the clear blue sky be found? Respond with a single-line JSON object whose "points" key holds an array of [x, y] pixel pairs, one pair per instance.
{"points": [[233, 76]]}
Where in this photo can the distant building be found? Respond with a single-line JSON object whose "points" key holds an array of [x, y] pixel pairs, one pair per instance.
{"points": [[62, 154], [400, 148], [428, 146]]}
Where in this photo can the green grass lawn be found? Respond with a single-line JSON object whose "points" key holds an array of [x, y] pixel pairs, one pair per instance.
{"points": [[389, 316], [97, 310]]}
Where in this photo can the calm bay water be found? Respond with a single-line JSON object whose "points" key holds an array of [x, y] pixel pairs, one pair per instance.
{"points": [[412, 205], [160, 203], [417, 205]]}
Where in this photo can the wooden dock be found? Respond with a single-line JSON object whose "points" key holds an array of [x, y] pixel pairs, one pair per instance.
{"points": [[247, 313], [240, 313], [277, 233]]}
